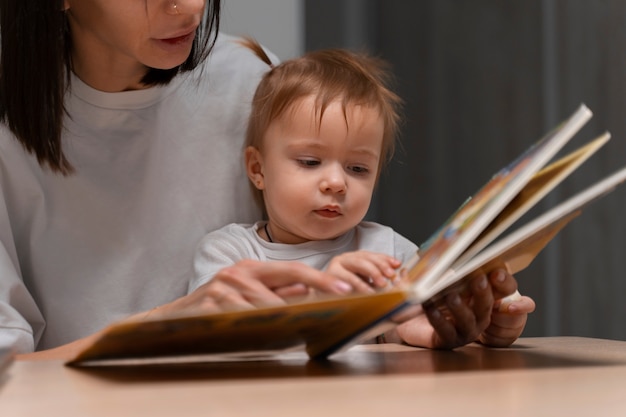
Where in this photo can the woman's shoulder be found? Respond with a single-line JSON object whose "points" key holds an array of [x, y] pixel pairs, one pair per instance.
{"points": [[234, 44], [231, 63], [232, 48]]}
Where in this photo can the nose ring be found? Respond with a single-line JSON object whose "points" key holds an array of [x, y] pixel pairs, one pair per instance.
{"points": [[174, 7]]}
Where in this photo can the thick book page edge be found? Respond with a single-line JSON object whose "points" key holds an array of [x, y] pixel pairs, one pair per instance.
{"points": [[540, 184], [520, 256], [517, 250], [459, 231], [357, 331], [512, 257], [323, 326]]}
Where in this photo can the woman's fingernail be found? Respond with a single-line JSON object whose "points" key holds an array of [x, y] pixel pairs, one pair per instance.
{"points": [[343, 286], [482, 284]]}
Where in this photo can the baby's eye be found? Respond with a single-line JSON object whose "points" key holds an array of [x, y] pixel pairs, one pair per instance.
{"points": [[358, 169], [308, 162]]}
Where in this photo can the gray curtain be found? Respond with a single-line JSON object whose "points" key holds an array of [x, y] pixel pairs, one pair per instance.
{"points": [[482, 80]]}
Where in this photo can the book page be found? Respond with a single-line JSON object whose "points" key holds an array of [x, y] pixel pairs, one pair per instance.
{"points": [[517, 250], [540, 184], [455, 236], [513, 257]]}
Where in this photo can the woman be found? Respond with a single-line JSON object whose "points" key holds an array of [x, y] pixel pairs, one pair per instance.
{"points": [[119, 149]]}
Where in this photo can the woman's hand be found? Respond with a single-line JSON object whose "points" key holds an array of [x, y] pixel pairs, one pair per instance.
{"points": [[246, 284], [462, 317], [249, 284]]}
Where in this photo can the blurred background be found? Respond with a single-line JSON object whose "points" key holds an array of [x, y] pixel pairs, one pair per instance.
{"points": [[482, 80]]}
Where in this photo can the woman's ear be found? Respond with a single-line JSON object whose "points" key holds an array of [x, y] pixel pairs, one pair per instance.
{"points": [[254, 167], [66, 5]]}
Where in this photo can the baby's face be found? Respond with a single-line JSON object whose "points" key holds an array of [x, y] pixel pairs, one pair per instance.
{"points": [[318, 178]]}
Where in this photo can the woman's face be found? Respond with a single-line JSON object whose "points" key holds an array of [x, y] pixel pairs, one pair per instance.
{"points": [[115, 41]]}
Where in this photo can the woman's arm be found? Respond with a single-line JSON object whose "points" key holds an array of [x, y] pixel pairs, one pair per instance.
{"points": [[247, 284]]}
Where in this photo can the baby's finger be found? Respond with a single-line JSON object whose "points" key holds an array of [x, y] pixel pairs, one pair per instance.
{"points": [[356, 281], [374, 268]]}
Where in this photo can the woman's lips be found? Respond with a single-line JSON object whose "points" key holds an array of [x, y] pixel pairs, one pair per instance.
{"points": [[179, 39]]}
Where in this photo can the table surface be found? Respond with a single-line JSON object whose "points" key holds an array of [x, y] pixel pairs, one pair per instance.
{"points": [[551, 376]]}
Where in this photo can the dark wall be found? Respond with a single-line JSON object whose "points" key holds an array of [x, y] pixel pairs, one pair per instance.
{"points": [[482, 80]]}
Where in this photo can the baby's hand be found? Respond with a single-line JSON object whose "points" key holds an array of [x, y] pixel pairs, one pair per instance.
{"points": [[364, 270]]}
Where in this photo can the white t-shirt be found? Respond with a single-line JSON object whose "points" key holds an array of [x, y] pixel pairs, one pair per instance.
{"points": [[156, 170], [235, 242]]}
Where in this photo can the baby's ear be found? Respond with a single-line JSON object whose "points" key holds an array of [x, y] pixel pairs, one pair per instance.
{"points": [[254, 167]]}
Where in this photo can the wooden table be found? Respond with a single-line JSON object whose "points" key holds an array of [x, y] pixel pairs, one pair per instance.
{"points": [[556, 376]]}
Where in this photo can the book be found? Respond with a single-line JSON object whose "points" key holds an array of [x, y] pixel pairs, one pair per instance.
{"points": [[472, 239]]}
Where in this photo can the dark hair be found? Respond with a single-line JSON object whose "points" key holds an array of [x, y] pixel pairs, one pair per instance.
{"points": [[35, 69]]}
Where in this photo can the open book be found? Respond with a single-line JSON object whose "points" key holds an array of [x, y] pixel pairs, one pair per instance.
{"points": [[471, 240]]}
